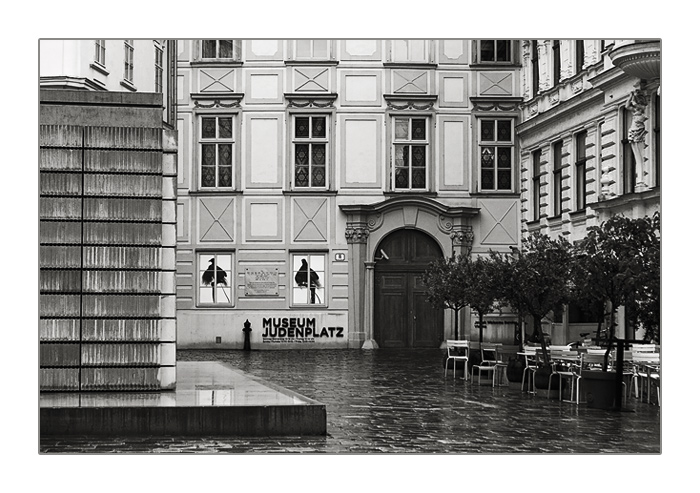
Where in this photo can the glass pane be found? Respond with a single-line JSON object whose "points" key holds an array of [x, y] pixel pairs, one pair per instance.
{"points": [[321, 48], [225, 176], [300, 295], [301, 127], [317, 263], [504, 179], [504, 156], [401, 155], [487, 157], [418, 178], [225, 156], [301, 176], [318, 152], [401, 128], [317, 295], [208, 176], [208, 48], [503, 51], [487, 51], [319, 176], [224, 261], [301, 154], [304, 48], [208, 155], [418, 156], [225, 128], [504, 131], [319, 127], [206, 295], [208, 128], [487, 179], [401, 178], [225, 48], [487, 130], [418, 129]]}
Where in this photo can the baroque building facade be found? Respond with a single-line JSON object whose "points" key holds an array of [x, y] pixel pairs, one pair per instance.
{"points": [[590, 143], [318, 178]]}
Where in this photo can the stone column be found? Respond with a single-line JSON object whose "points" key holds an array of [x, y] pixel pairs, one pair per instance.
{"points": [[369, 343], [356, 234], [637, 103]]}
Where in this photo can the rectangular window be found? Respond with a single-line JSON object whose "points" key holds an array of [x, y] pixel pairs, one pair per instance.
{"points": [[580, 55], [159, 69], [628, 162], [310, 147], [496, 151], [495, 51], [580, 171], [557, 182], [216, 145], [308, 279], [409, 50], [220, 49], [535, 68], [129, 60], [215, 276], [100, 51], [556, 66], [536, 199], [313, 49], [409, 153]]}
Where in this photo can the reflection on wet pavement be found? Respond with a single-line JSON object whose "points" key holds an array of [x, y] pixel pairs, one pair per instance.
{"points": [[398, 401]]}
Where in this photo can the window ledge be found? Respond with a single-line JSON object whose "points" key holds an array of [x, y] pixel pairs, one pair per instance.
{"points": [[217, 62], [410, 65], [99, 67], [128, 85], [399, 193], [512, 65], [311, 62], [310, 192], [214, 192]]}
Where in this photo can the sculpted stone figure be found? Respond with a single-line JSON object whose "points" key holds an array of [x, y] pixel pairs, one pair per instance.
{"points": [[637, 103]]}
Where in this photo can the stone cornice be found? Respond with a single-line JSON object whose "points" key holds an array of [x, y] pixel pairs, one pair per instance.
{"points": [[401, 202], [311, 100], [583, 99]]}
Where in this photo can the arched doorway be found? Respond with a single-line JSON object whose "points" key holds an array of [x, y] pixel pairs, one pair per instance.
{"points": [[403, 318]]}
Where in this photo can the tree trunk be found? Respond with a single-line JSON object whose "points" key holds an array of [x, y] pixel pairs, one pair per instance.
{"points": [[611, 335], [456, 310], [481, 328], [543, 343]]}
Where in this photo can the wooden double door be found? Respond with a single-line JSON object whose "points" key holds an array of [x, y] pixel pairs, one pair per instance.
{"points": [[403, 318]]}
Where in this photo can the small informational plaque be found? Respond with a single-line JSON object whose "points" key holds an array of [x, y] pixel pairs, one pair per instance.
{"points": [[261, 281]]}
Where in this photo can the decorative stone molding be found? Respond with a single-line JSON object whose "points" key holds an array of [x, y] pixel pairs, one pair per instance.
{"points": [[463, 237], [207, 101], [311, 100], [577, 86], [356, 234], [637, 104], [403, 103], [505, 104]]}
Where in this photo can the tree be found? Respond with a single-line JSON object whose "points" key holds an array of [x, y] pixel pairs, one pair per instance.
{"points": [[619, 261], [479, 276], [446, 287], [535, 279]]}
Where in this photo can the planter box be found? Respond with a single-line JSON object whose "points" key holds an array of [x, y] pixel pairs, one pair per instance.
{"points": [[599, 389]]}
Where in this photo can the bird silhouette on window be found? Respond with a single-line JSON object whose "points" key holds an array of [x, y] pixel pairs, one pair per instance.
{"points": [[213, 276], [307, 277]]}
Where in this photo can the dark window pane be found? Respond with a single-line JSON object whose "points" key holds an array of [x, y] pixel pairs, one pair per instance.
{"points": [[208, 128], [225, 48], [225, 154], [318, 152], [418, 129], [401, 155], [487, 51], [301, 154], [418, 156], [504, 156], [208, 155], [503, 51], [225, 173], [319, 176], [209, 48], [319, 127], [301, 176], [208, 176], [301, 127], [504, 130], [401, 177], [225, 128], [487, 179], [581, 146], [487, 130], [504, 179], [487, 157], [418, 177]]}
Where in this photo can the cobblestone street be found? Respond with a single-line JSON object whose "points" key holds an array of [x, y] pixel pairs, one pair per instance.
{"points": [[398, 401]]}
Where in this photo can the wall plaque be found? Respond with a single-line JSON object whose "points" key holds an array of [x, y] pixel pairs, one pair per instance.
{"points": [[261, 281]]}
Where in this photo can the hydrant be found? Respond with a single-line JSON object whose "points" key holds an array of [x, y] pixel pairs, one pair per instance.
{"points": [[246, 330]]}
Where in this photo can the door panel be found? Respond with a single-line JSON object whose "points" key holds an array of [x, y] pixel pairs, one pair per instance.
{"points": [[427, 321]]}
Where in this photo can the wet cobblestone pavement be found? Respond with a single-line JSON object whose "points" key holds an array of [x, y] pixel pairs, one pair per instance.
{"points": [[386, 401]]}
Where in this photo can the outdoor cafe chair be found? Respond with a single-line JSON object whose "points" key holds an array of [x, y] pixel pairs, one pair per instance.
{"points": [[457, 351], [565, 364], [489, 363], [647, 371], [529, 353]]}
